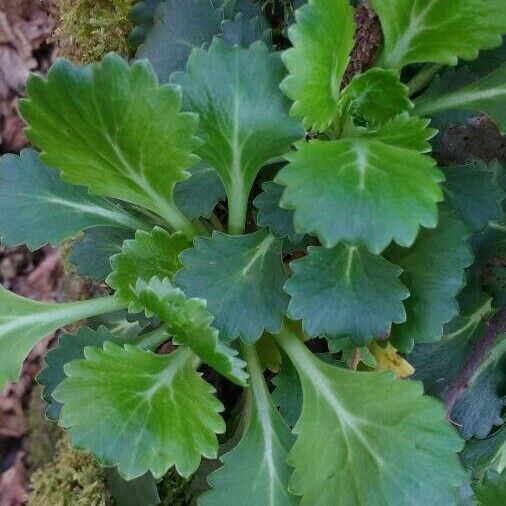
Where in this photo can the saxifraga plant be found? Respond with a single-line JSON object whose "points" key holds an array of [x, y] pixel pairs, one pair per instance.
{"points": [[356, 238]]}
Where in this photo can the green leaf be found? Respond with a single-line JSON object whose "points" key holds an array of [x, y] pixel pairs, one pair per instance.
{"points": [[37, 208], [433, 271], [115, 130], [481, 406], [142, 490], [91, 254], [243, 119], [376, 96], [367, 438], [287, 394], [346, 291], [148, 255], [241, 278], [322, 40], [486, 95], [142, 16], [492, 491], [404, 131], [473, 194], [24, 322], [255, 471], [271, 215], [189, 323], [199, 195], [360, 190], [350, 353], [245, 31], [69, 347], [438, 364], [480, 454], [438, 31], [180, 25], [140, 411]]}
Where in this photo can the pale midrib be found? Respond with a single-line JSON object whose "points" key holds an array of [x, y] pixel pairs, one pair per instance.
{"points": [[457, 100], [414, 28], [102, 212], [263, 409], [261, 250]]}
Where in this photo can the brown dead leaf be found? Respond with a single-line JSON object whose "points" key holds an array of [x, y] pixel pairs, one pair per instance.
{"points": [[13, 483]]}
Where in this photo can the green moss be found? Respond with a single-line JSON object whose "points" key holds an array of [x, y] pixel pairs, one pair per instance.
{"points": [[71, 479], [74, 478], [43, 435], [90, 28]]}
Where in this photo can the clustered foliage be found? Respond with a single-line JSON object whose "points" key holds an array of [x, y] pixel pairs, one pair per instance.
{"points": [[255, 209]]}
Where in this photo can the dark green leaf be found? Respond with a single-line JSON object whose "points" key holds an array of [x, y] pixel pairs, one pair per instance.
{"points": [[37, 208], [241, 278], [433, 271], [244, 31], [492, 491], [91, 254], [271, 215], [199, 195], [140, 491], [244, 118], [473, 194], [346, 291], [486, 95]]}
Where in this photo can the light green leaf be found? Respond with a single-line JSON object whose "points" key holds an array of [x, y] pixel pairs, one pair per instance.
{"points": [[367, 438], [69, 347], [433, 271], [439, 31], [37, 208], [346, 291], [404, 131], [241, 278], [115, 130], [376, 96], [255, 471], [24, 322], [243, 118], [190, 324], [322, 40], [148, 255], [486, 95], [360, 190], [91, 254], [271, 215], [140, 411], [473, 193]]}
